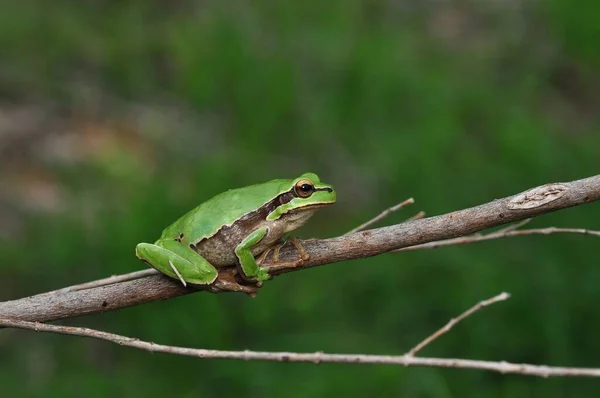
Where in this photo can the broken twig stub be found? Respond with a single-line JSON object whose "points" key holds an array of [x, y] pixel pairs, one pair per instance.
{"points": [[537, 197]]}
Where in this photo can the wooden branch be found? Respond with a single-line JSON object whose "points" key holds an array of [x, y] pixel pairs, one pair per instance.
{"points": [[534, 202]]}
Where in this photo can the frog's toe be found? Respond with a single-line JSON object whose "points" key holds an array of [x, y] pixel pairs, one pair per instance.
{"points": [[262, 275]]}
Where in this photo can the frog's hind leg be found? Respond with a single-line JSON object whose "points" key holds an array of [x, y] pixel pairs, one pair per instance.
{"points": [[177, 261]]}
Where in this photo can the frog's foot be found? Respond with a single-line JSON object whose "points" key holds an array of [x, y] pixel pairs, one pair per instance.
{"points": [[254, 282], [228, 281], [261, 259], [281, 265]]}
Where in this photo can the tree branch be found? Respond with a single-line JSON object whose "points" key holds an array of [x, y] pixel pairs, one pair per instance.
{"points": [[531, 203]]}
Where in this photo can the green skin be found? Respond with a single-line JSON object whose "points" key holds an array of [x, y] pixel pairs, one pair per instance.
{"points": [[235, 227]]}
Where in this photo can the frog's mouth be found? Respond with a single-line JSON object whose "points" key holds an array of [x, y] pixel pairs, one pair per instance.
{"points": [[312, 206]]}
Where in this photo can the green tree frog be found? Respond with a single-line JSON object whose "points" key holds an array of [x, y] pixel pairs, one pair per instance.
{"points": [[235, 227]]}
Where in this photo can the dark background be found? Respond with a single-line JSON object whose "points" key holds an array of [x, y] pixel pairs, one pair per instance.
{"points": [[117, 117]]}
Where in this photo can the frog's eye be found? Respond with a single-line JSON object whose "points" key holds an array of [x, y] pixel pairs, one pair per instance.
{"points": [[304, 188]]}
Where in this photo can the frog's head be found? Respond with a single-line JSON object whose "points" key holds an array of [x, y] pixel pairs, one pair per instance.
{"points": [[308, 191], [302, 198]]}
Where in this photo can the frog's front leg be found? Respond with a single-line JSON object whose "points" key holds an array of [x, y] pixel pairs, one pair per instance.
{"points": [[248, 264], [253, 269], [177, 260]]}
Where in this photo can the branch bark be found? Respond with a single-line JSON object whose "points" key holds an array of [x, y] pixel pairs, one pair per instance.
{"points": [[531, 203]]}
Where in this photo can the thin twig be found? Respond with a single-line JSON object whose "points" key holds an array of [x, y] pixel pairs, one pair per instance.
{"points": [[106, 281], [417, 216], [515, 226], [497, 235], [178, 274], [482, 304], [317, 357], [381, 215]]}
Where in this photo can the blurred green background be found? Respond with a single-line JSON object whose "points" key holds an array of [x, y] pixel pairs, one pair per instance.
{"points": [[117, 117]]}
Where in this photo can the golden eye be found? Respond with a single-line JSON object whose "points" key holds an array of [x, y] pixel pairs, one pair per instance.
{"points": [[304, 188]]}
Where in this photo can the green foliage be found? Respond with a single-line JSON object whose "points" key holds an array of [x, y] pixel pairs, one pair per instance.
{"points": [[453, 104]]}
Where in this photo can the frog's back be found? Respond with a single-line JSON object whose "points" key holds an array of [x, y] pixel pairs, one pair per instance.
{"points": [[224, 209]]}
